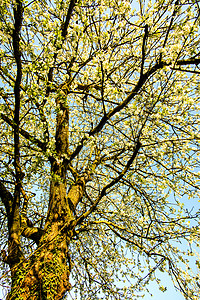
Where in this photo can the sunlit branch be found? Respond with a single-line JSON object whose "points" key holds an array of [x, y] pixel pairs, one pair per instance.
{"points": [[112, 226], [29, 231]]}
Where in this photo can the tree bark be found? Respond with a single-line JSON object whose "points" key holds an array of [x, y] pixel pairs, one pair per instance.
{"points": [[45, 274]]}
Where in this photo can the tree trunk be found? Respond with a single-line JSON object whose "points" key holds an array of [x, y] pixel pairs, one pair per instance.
{"points": [[45, 275]]}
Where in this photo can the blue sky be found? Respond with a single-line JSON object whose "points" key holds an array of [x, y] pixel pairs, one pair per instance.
{"points": [[170, 293]]}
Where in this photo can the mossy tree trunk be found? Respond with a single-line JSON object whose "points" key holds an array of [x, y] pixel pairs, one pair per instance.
{"points": [[45, 274]]}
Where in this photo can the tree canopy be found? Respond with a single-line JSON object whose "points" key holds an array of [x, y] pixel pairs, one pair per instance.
{"points": [[99, 147]]}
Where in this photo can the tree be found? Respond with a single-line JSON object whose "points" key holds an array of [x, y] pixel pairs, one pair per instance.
{"points": [[99, 145]]}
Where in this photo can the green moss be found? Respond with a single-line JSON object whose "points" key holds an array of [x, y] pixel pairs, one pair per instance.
{"points": [[46, 274]]}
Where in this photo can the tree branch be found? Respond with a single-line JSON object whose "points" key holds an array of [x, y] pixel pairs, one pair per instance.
{"points": [[68, 17], [170, 25], [64, 28], [14, 243], [25, 134], [128, 99], [143, 48], [7, 199], [29, 231], [18, 12], [112, 225], [184, 62], [111, 184], [118, 108]]}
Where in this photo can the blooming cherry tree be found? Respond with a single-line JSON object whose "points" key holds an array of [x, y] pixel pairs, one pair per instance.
{"points": [[99, 147]]}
